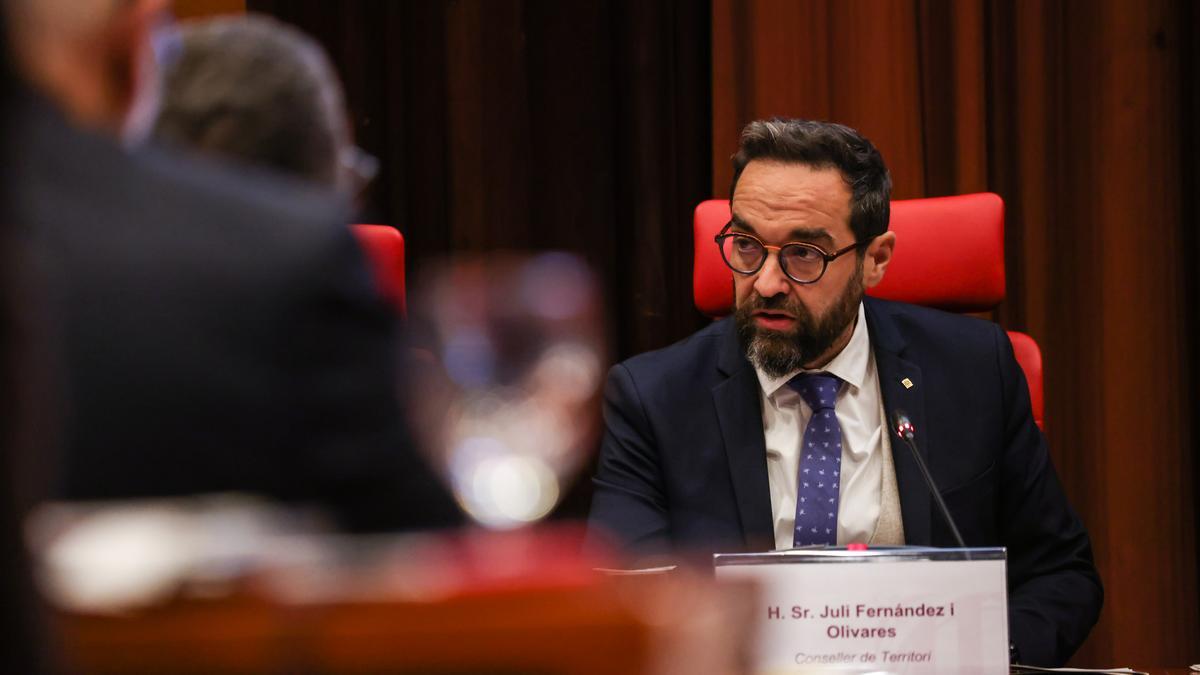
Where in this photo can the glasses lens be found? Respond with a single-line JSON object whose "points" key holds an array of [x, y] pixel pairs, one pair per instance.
{"points": [[358, 168], [742, 253], [802, 263]]}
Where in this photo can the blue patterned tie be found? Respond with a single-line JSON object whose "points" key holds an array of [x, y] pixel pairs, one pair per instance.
{"points": [[820, 461]]}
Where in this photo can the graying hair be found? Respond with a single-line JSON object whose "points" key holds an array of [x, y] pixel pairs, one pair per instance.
{"points": [[253, 89], [825, 145]]}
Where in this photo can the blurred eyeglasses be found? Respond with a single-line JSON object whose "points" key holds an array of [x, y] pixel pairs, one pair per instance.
{"points": [[166, 42], [359, 168]]}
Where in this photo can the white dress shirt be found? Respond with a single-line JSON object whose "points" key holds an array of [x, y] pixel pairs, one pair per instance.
{"points": [[859, 411]]}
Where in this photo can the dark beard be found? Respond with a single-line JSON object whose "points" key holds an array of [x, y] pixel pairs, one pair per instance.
{"points": [[778, 353]]}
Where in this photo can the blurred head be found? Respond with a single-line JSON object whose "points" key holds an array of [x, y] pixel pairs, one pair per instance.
{"points": [[814, 183], [93, 58], [252, 89]]}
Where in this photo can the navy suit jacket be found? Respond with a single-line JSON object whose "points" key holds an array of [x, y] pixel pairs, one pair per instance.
{"points": [[683, 462]]}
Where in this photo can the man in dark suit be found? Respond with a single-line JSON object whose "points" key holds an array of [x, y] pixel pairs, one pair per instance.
{"points": [[765, 429], [214, 331]]}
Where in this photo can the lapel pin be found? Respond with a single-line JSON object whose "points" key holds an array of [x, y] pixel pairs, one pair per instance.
{"points": [[908, 384]]}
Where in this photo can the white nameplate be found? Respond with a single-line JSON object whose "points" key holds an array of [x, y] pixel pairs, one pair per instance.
{"points": [[884, 610]]}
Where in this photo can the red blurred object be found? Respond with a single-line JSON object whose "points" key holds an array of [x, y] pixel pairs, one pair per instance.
{"points": [[384, 248], [949, 255], [524, 601], [1030, 358], [480, 561]]}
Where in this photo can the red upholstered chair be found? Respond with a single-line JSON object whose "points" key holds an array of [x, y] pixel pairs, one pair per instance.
{"points": [[949, 255], [384, 248]]}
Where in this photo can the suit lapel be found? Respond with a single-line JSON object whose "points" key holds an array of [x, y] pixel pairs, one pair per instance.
{"points": [[739, 414], [902, 388]]}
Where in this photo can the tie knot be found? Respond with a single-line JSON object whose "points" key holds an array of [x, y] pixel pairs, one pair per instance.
{"points": [[819, 390]]}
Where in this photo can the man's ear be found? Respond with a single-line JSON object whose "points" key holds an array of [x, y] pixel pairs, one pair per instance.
{"points": [[877, 257], [130, 51]]}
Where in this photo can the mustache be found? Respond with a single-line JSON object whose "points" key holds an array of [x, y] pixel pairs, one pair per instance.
{"points": [[758, 302]]}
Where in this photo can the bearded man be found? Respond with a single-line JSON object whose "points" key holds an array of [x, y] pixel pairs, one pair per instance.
{"points": [[769, 429]]}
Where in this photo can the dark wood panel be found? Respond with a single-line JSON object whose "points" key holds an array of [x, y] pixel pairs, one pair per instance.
{"points": [[842, 61], [1189, 180], [1145, 384]]}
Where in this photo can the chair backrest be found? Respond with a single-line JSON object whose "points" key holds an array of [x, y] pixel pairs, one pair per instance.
{"points": [[949, 255], [384, 248], [1030, 357]]}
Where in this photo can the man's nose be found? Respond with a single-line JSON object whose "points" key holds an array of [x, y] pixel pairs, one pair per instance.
{"points": [[771, 280]]}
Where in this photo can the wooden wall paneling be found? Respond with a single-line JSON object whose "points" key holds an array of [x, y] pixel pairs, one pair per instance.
{"points": [[1189, 75], [953, 96], [1022, 94], [1037, 153], [732, 74], [655, 198], [1082, 78], [875, 83], [1051, 193], [1083, 84], [970, 122], [571, 88], [1144, 414], [842, 61], [730, 104], [777, 65], [787, 73], [535, 124], [1076, 304], [413, 190], [488, 133]]}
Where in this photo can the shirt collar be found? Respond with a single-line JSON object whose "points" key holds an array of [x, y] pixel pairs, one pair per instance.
{"points": [[850, 364]]}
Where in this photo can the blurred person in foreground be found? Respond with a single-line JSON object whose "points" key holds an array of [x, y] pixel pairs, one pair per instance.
{"points": [[216, 331], [770, 429], [253, 90]]}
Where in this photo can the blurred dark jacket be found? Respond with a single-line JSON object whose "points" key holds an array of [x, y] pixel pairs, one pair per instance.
{"points": [[217, 331]]}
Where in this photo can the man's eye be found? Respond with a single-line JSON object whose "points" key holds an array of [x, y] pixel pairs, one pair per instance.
{"points": [[802, 254], [745, 244]]}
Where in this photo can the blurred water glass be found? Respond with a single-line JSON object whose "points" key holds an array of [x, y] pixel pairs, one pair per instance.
{"points": [[506, 385]]}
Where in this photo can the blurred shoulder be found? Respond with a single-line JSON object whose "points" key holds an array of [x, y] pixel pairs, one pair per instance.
{"points": [[78, 180], [255, 201]]}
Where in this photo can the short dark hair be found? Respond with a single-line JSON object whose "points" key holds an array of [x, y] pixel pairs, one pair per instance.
{"points": [[251, 88], [825, 145]]}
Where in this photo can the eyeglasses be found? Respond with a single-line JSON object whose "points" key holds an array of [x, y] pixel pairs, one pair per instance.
{"points": [[357, 168], [802, 263]]}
